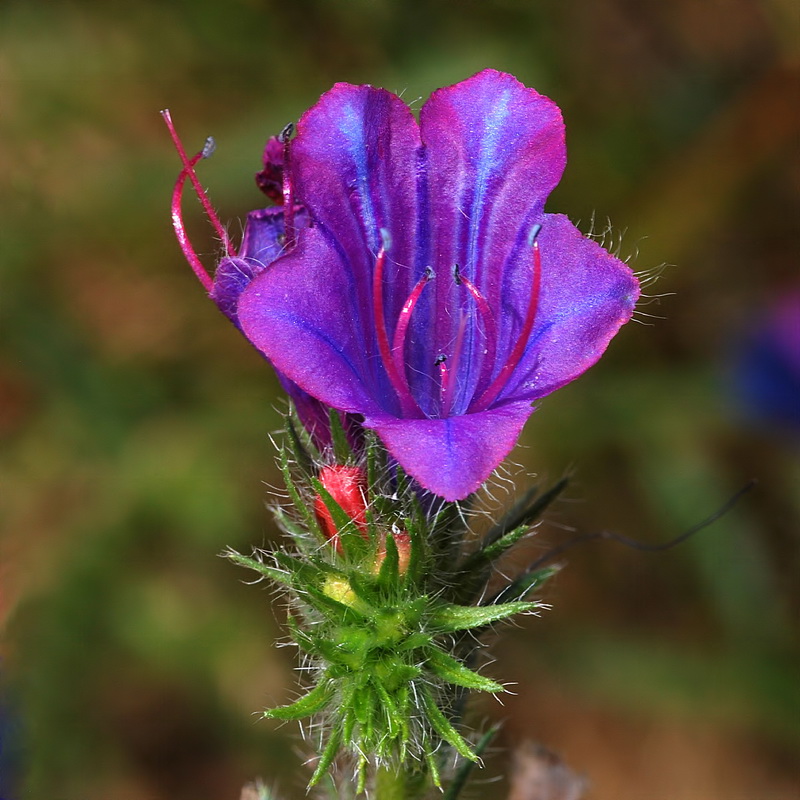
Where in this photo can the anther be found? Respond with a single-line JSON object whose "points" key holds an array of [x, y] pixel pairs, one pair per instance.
{"points": [[286, 133]]}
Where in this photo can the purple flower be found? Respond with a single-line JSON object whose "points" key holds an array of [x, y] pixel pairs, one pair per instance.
{"points": [[422, 285]]}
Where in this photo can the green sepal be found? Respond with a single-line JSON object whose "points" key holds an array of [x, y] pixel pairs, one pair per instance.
{"points": [[328, 756], [442, 725], [303, 573], [298, 448], [354, 545], [488, 554], [299, 534], [526, 583], [434, 769], [525, 511], [308, 704], [448, 618], [453, 671], [389, 574], [278, 575], [460, 778], [297, 500], [341, 447]]}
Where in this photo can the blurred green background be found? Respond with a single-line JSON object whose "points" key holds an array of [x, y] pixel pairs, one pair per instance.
{"points": [[134, 421]]}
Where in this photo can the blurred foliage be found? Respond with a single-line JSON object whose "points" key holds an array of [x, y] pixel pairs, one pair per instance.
{"points": [[135, 421]]}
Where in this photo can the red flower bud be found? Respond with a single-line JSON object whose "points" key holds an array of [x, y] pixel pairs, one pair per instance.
{"points": [[347, 486]]}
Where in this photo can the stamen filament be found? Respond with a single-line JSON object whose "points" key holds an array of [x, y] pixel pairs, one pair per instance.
{"points": [[180, 231], [400, 332], [491, 393], [188, 166], [408, 404], [489, 329]]}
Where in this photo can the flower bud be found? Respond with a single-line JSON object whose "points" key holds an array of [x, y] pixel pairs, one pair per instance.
{"points": [[347, 486]]}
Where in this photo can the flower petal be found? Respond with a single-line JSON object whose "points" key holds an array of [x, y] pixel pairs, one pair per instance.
{"points": [[261, 245], [586, 296], [354, 164], [302, 313], [453, 457], [495, 151]]}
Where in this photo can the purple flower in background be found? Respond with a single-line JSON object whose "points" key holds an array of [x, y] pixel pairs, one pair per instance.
{"points": [[766, 365], [421, 284]]}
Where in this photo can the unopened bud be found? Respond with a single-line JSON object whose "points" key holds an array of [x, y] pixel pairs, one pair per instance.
{"points": [[347, 486]]}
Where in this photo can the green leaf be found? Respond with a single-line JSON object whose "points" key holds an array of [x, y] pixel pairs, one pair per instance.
{"points": [[448, 618], [280, 576], [460, 778], [525, 511], [328, 755], [442, 725], [488, 554], [341, 447], [525, 584], [296, 497], [307, 705], [389, 575], [297, 447], [453, 671]]}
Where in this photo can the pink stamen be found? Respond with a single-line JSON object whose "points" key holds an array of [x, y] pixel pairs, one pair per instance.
{"points": [[180, 231], [489, 329], [491, 393], [188, 166], [399, 342], [287, 188], [397, 378], [449, 388]]}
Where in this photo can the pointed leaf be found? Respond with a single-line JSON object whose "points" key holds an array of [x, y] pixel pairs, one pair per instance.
{"points": [[307, 705], [296, 497], [341, 447], [460, 778], [526, 583], [389, 574], [277, 575], [328, 755], [525, 511], [442, 725], [449, 618], [453, 671]]}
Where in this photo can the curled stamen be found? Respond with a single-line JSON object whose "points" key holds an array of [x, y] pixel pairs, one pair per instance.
{"points": [[188, 165], [396, 377], [489, 328], [288, 190], [494, 389]]}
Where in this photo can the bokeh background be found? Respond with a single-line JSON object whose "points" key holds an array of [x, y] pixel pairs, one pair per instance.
{"points": [[134, 421]]}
